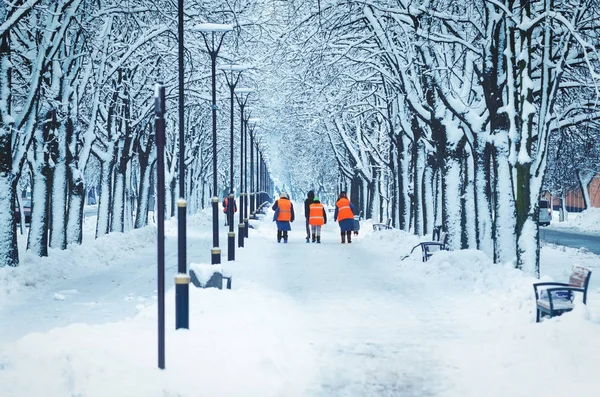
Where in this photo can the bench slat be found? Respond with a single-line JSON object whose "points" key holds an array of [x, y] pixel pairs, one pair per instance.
{"points": [[579, 276], [559, 304]]}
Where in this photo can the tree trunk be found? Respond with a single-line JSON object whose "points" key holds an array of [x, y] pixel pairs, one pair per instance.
{"points": [[37, 239], [58, 201], [428, 194], [584, 178], [76, 203], [504, 224], [9, 252], [105, 199], [403, 183], [468, 203], [130, 199], [117, 223], [141, 217], [451, 202], [483, 199]]}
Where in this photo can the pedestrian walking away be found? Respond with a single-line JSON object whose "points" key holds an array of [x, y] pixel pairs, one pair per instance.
{"points": [[284, 216], [317, 218], [226, 207], [344, 216], [309, 200]]}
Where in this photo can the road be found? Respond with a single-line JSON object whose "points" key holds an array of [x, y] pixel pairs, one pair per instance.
{"points": [[571, 239]]}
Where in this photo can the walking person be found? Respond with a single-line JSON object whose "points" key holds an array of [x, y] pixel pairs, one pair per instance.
{"points": [[317, 218], [344, 215], [309, 200], [226, 208], [284, 215]]}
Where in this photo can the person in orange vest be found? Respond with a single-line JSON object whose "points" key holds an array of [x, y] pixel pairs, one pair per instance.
{"points": [[225, 207], [317, 218], [344, 215], [284, 215]]}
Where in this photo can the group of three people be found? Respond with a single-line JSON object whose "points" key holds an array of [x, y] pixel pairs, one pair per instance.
{"points": [[315, 215]]}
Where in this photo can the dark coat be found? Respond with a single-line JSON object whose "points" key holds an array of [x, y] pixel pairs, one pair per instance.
{"points": [[309, 200]]}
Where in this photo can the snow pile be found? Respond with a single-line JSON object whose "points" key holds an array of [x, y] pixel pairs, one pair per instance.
{"points": [[60, 264], [247, 343], [587, 221]]}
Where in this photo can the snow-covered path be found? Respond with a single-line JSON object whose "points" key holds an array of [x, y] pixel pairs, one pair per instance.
{"points": [[374, 327]]}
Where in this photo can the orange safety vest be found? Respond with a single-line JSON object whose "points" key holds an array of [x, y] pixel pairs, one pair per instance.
{"points": [[226, 204], [315, 216], [285, 210], [344, 210]]}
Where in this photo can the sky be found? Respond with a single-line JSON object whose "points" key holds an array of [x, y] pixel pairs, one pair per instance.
{"points": [[302, 319]]}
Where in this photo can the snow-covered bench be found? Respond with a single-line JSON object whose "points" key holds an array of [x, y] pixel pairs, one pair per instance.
{"points": [[383, 226], [439, 243], [553, 299], [203, 275]]}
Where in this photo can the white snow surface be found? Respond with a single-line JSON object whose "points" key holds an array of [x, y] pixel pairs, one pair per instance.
{"points": [[587, 221], [302, 319]]}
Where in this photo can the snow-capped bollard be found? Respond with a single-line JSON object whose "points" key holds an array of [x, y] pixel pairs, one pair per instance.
{"points": [[204, 275]]}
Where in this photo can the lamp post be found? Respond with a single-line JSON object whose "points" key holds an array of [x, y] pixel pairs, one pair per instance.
{"points": [[159, 109], [252, 122], [213, 35], [182, 280], [257, 192], [232, 76], [242, 98]]}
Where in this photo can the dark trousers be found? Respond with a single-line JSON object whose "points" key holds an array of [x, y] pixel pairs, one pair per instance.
{"points": [[282, 233], [307, 229]]}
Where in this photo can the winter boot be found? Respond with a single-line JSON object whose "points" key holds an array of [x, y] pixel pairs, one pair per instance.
{"points": [[343, 237], [308, 239], [349, 236], [314, 238], [279, 236], [285, 236], [318, 239]]}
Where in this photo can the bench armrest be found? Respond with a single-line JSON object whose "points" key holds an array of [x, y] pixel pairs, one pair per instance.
{"points": [[546, 284], [571, 289]]}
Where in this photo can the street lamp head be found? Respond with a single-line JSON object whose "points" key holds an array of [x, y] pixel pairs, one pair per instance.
{"points": [[213, 27], [234, 68], [244, 90]]}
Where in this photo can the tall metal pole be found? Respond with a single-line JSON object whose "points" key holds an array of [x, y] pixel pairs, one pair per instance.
{"points": [[182, 279], [242, 98], [231, 203], [252, 194], [216, 279], [257, 189], [159, 109], [241, 223], [232, 81], [216, 251], [245, 179]]}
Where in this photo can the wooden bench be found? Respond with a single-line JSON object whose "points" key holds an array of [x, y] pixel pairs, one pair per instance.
{"points": [[553, 299], [383, 226]]}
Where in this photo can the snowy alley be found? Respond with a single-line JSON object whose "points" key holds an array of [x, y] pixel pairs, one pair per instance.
{"points": [[302, 319]]}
